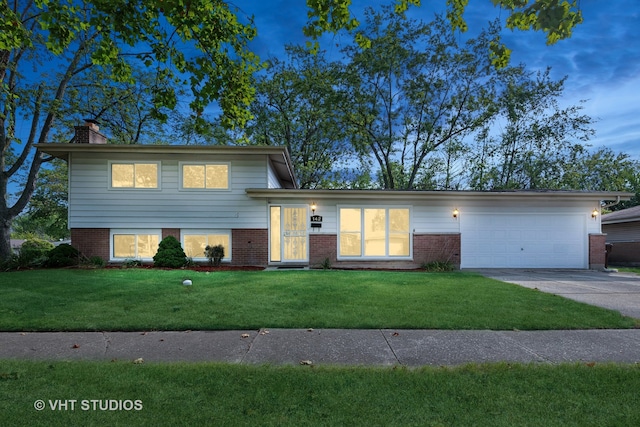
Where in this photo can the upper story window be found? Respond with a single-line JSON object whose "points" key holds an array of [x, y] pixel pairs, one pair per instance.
{"points": [[210, 176], [134, 175]]}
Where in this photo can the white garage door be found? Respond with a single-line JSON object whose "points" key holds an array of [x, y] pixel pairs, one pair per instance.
{"points": [[523, 241]]}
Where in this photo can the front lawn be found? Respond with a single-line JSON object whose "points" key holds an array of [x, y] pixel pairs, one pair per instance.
{"points": [[140, 299], [628, 269], [239, 395]]}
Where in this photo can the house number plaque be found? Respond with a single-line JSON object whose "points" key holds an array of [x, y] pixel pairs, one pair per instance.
{"points": [[316, 221]]}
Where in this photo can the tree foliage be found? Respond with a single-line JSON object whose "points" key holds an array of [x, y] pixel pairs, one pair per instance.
{"points": [[49, 48], [412, 91], [530, 141], [555, 18], [46, 214], [298, 106]]}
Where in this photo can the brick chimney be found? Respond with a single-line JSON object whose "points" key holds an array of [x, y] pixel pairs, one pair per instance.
{"points": [[88, 133]]}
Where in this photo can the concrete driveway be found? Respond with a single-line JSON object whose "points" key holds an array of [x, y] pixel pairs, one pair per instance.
{"points": [[616, 291]]}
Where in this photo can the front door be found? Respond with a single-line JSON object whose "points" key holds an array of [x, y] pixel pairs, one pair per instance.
{"points": [[288, 235]]}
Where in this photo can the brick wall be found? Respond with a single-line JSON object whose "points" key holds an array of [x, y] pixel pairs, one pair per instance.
{"points": [[597, 251], [321, 247], [88, 134], [436, 247], [426, 248], [91, 241], [250, 247], [175, 232]]}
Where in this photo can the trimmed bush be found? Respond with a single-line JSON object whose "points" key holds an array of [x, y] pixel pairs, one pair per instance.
{"points": [[215, 254], [63, 255], [34, 253], [170, 254]]}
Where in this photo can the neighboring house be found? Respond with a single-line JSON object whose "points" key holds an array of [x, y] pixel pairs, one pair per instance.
{"points": [[16, 244], [622, 229], [123, 199]]}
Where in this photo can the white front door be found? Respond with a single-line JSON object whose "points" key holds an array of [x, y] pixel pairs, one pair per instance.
{"points": [[288, 239]]}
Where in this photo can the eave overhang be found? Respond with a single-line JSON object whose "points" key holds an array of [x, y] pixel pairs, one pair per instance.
{"points": [[278, 156], [436, 195]]}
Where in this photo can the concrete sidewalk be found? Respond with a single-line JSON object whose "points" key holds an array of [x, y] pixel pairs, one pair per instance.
{"points": [[386, 347]]}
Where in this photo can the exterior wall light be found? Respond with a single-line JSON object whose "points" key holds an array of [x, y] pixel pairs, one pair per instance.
{"points": [[455, 213], [595, 213], [313, 207]]}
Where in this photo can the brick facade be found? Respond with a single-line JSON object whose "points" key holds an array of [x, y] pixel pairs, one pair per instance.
{"points": [[175, 232], [437, 247], [426, 248], [597, 251], [250, 247], [321, 247], [91, 241]]}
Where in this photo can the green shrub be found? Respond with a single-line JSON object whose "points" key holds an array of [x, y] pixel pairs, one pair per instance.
{"points": [[131, 263], [10, 263], [438, 266], [326, 264], [215, 254], [34, 253], [96, 261], [63, 255], [170, 254]]}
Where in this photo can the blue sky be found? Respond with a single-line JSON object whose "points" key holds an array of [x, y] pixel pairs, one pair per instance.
{"points": [[601, 59]]}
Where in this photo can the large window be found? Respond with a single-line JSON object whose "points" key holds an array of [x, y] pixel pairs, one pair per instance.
{"points": [[374, 232], [205, 176], [194, 242], [134, 175], [134, 244]]}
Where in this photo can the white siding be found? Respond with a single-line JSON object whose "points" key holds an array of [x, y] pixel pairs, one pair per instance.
{"points": [[94, 205], [273, 181]]}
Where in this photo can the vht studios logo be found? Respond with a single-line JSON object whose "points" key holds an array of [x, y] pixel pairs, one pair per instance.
{"points": [[88, 405]]}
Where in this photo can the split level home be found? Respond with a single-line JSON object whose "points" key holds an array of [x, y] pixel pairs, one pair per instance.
{"points": [[124, 199]]}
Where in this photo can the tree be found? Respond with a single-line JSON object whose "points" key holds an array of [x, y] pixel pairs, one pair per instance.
{"points": [[197, 43], [298, 106], [125, 110], [536, 138], [414, 90], [46, 214], [556, 18], [603, 169]]}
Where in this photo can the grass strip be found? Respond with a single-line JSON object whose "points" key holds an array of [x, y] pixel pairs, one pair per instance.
{"points": [[214, 394]]}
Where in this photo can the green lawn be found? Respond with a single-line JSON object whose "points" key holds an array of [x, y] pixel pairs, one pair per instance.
{"points": [[141, 299], [628, 269], [240, 395]]}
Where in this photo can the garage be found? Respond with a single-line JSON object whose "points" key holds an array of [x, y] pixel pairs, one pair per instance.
{"points": [[523, 240]]}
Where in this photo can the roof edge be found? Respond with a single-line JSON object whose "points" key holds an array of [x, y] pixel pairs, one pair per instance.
{"points": [[434, 194]]}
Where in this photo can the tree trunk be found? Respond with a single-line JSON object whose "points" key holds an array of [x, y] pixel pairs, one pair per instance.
{"points": [[5, 239]]}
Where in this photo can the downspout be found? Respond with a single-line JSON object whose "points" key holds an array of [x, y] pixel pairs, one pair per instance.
{"points": [[608, 205]]}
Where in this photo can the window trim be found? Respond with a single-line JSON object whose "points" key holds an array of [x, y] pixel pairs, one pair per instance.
{"points": [[129, 231], [388, 233], [205, 164], [205, 231], [134, 162]]}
